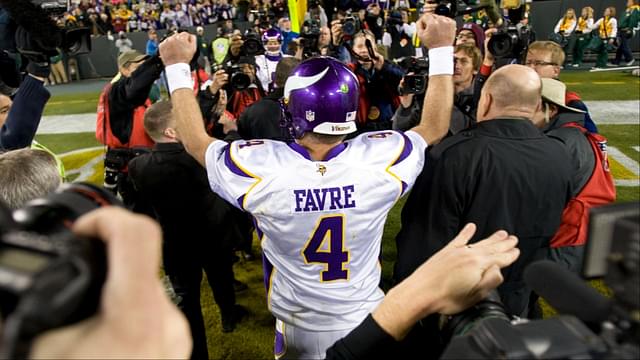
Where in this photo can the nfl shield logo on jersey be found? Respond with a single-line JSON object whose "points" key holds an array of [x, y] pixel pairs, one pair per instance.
{"points": [[310, 115]]}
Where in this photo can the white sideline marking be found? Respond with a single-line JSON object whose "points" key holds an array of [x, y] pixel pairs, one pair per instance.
{"points": [[623, 159]]}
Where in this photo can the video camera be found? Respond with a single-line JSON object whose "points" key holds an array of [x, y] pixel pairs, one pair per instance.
{"points": [[252, 44], [592, 326], [309, 35], [29, 30], [417, 82], [264, 18], [48, 277], [350, 25]]}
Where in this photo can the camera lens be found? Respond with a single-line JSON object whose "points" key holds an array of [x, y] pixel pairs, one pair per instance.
{"points": [[501, 45], [349, 28], [240, 81]]}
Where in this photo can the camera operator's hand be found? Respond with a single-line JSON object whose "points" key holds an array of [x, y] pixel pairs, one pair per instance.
{"points": [[220, 79], [489, 59], [407, 99], [136, 318], [235, 45], [336, 32], [436, 31], [452, 280], [178, 48]]}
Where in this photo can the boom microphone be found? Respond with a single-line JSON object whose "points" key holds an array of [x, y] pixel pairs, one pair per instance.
{"points": [[567, 292]]}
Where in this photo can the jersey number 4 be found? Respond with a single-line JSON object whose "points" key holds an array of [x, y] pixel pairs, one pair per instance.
{"points": [[334, 256]]}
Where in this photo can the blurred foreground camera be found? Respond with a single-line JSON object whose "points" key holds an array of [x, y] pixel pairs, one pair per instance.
{"points": [[48, 277], [592, 326]]}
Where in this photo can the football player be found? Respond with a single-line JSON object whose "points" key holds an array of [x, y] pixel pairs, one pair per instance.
{"points": [[319, 202]]}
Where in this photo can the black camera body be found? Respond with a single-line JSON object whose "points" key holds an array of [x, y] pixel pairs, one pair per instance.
{"points": [[252, 44], [417, 82], [48, 277], [511, 41], [350, 25], [309, 35], [238, 80], [597, 327]]}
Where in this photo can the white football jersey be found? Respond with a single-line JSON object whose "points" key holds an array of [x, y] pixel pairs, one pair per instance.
{"points": [[320, 222]]}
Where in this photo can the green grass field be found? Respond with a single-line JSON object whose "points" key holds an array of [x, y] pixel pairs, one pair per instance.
{"points": [[253, 338]]}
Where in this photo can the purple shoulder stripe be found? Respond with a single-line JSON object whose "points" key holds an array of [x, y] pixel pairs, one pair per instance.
{"points": [[231, 165], [406, 151]]}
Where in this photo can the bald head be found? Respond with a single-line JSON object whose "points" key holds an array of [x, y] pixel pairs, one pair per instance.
{"points": [[513, 90]]}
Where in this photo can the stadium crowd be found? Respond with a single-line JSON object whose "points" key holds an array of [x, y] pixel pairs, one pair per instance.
{"points": [[308, 139]]}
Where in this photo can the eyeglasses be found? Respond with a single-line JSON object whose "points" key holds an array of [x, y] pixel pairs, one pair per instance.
{"points": [[537, 63]]}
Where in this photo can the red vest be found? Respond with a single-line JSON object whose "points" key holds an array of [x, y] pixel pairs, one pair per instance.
{"points": [[138, 137], [599, 190]]}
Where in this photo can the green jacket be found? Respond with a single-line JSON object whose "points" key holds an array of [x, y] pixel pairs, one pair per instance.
{"points": [[631, 18]]}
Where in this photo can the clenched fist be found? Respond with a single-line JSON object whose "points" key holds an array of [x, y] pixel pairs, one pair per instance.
{"points": [[436, 31], [178, 48]]}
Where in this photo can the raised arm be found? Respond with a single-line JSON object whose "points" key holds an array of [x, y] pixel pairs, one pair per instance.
{"points": [[176, 53], [438, 34]]}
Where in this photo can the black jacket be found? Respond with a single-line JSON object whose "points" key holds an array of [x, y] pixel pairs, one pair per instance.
{"points": [[262, 119], [192, 217], [583, 160], [500, 174], [130, 92]]}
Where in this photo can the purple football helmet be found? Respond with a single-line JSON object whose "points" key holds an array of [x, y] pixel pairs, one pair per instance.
{"points": [[321, 96], [271, 34]]}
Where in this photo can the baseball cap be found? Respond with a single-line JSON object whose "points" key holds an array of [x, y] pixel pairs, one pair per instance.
{"points": [[553, 91], [131, 56]]}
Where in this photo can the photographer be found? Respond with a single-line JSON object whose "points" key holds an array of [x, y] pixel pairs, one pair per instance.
{"points": [[120, 115], [397, 36], [240, 97], [463, 115], [378, 81]]}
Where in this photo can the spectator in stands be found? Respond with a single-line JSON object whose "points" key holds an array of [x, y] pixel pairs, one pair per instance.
{"points": [[123, 43], [591, 179], [627, 28], [378, 81], [606, 31], [546, 58], [194, 224], [27, 174], [582, 35], [168, 18]]}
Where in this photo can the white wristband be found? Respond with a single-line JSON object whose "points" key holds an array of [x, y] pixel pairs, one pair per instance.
{"points": [[179, 77], [441, 61]]}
